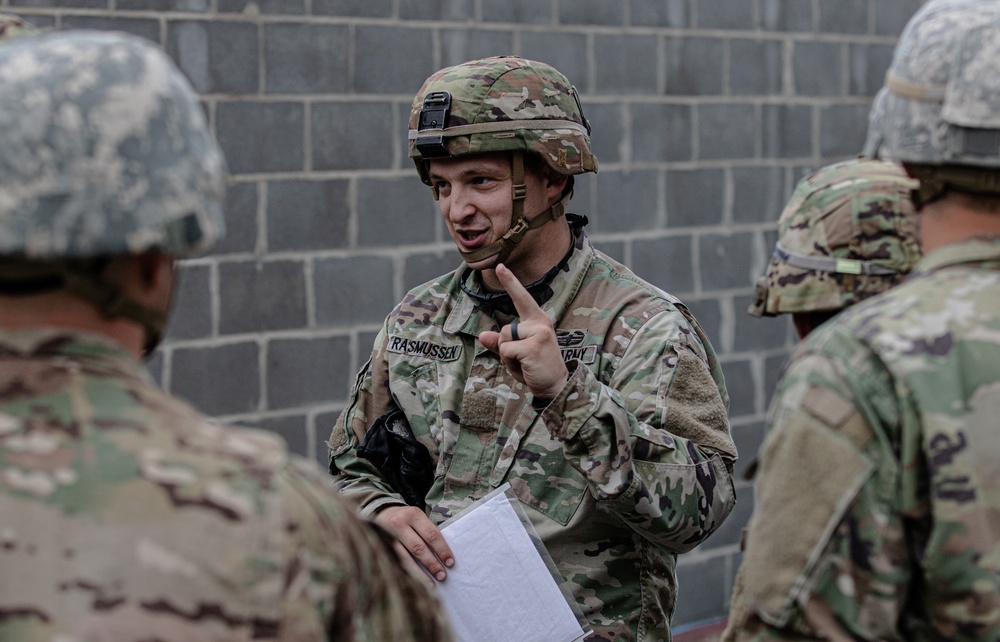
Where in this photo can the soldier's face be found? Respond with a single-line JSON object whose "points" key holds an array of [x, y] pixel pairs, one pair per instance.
{"points": [[476, 202]]}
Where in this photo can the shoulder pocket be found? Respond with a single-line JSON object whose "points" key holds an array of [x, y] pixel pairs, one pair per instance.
{"points": [[810, 474]]}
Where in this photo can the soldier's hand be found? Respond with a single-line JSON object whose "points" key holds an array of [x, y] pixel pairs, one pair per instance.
{"points": [[421, 538], [528, 350]]}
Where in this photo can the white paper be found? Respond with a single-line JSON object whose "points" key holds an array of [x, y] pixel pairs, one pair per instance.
{"points": [[500, 588]]}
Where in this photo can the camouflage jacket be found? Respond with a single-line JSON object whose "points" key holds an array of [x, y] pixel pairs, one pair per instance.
{"points": [[625, 468], [878, 491], [126, 516]]}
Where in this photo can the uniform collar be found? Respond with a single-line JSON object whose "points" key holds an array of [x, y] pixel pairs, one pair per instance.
{"points": [[981, 249]]}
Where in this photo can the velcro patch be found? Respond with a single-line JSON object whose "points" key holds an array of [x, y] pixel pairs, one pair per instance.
{"points": [[423, 348], [586, 354]]}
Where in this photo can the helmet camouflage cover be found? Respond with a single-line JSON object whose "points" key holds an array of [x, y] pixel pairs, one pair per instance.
{"points": [[105, 150], [941, 100], [849, 232], [504, 103]]}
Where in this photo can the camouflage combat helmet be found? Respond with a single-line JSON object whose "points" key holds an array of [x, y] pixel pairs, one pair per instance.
{"points": [[105, 151], [939, 111], [849, 232], [502, 104], [12, 26]]}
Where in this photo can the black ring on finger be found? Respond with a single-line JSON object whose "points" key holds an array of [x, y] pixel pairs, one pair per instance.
{"points": [[513, 332]]}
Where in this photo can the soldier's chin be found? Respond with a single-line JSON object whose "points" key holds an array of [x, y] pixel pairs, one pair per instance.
{"points": [[488, 263]]}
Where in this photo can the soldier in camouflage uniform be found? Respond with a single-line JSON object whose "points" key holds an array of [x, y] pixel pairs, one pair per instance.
{"points": [[878, 491], [542, 362], [849, 232], [126, 515]]}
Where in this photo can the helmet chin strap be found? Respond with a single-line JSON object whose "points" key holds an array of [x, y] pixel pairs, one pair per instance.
{"points": [[520, 225]]}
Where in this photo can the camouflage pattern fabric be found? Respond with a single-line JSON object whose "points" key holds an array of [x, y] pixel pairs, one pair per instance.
{"points": [[12, 26], [128, 516], [105, 150], [848, 233], [503, 104], [942, 92], [627, 467], [878, 491]]}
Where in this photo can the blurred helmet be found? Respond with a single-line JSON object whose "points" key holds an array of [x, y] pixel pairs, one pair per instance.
{"points": [[940, 106], [849, 232], [502, 104], [12, 26], [104, 150]]}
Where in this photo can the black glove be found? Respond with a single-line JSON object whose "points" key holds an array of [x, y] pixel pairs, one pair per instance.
{"points": [[403, 461]]}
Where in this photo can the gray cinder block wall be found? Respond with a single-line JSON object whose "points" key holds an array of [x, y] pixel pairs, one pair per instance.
{"points": [[705, 114]]}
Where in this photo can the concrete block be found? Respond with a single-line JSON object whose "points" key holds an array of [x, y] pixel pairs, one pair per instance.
{"points": [[786, 15], [292, 429], [241, 219], [444, 10], [218, 57], [608, 132], [266, 7], [868, 64], [261, 137], [665, 262], [755, 67], [353, 8], [817, 68], [518, 12], [154, 366], [748, 438], [307, 215], [786, 131], [614, 249], [353, 290], [400, 68], [757, 334], [759, 194], [353, 135], [626, 201], [591, 12], [396, 211], [222, 380], [306, 59], [727, 131], [843, 16], [148, 29], [186, 6], [677, 14], [256, 296], [842, 130], [695, 197], [693, 66], [662, 133], [700, 593], [741, 386], [726, 260], [421, 267], [323, 425], [191, 316], [617, 71], [724, 14], [892, 15], [461, 45], [306, 371]]}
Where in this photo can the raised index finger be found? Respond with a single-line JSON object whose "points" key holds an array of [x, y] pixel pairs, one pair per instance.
{"points": [[527, 308]]}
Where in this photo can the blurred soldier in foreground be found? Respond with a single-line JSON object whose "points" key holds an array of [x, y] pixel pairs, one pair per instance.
{"points": [[848, 233], [878, 493], [125, 514], [540, 362]]}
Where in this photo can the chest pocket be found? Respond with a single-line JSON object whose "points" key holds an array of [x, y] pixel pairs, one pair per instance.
{"points": [[534, 464]]}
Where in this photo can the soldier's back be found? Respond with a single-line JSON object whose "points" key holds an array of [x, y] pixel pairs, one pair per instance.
{"points": [[127, 515]]}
